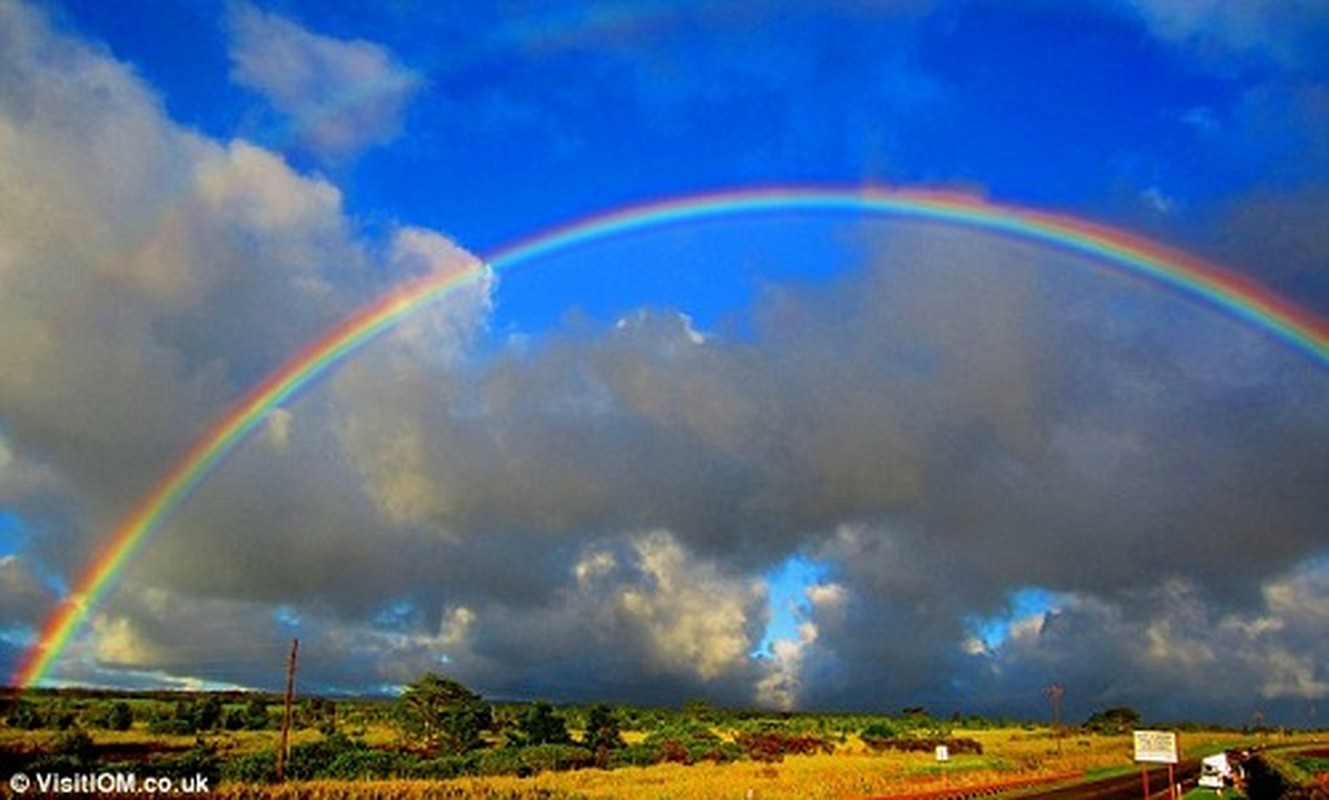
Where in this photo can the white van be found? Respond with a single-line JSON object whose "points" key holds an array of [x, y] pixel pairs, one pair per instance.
{"points": [[1215, 772]]}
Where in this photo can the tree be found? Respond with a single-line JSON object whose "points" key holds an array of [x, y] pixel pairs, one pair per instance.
{"points": [[879, 734], [120, 717], [318, 712], [208, 714], [25, 716], [1114, 720], [602, 729], [441, 715], [542, 725], [256, 715]]}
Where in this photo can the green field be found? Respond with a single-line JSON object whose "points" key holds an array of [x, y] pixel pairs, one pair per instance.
{"points": [[441, 735]]}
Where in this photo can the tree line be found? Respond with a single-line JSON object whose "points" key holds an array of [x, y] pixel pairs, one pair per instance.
{"points": [[443, 729]]}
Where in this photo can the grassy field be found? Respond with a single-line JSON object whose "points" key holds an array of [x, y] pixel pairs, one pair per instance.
{"points": [[852, 771], [850, 768]]}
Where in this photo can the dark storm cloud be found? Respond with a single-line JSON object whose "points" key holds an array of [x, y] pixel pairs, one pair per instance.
{"points": [[960, 418]]}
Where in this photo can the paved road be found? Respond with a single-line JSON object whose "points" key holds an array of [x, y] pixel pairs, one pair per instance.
{"points": [[1124, 787]]}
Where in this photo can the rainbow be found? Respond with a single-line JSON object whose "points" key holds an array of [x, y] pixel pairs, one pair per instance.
{"points": [[1166, 267]]}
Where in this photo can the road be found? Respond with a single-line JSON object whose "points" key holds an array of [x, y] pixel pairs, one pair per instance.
{"points": [[1124, 787]]}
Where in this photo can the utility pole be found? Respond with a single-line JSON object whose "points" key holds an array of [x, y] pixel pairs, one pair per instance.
{"points": [[1055, 693], [283, 752]]}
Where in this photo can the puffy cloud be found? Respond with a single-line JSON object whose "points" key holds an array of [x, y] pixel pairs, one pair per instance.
{"points": [[151, 276], [339, 96], [782, 684], [693, 617]]}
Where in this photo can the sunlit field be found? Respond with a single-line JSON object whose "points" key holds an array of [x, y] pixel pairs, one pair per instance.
{"points": [[377, 748], [1010, 757]]}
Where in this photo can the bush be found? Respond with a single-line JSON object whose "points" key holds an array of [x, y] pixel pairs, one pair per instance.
{"points": [[541, 724], [201, 759], [633, 755], [556, 757], [879, 735], [506, 761], [688, 742], [171, 726], [74, 751], [309, 760], [772, 746], [25, 716], [120, 717], [926, 744], [366, 764], [442, 768], [603, 731], [252, 768]]}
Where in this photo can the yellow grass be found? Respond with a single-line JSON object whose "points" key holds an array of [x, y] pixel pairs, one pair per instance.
{"points": [[850, 772]]}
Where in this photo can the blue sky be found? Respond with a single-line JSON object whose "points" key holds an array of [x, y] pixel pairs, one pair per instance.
{"points": [[792, 460]]}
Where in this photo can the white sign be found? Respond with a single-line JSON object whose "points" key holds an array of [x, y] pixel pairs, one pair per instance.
{"points": [[1159, 747], [943, 754]]}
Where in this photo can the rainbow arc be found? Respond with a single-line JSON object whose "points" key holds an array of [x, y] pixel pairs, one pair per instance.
{"points": [[1169, 268]]}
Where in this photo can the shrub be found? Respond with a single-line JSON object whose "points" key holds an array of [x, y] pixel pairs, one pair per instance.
{"points": [[688, 742], [541, 724], [772, 746], [171, 726], [120, 717], [25, 716], [556, 757], [603, 731], [201, 759], [926, 744], [74, 751], [256, 716], [309, 759], [366, 764], [879, 735], [258, 767], [441, 768], [633, 755], [505, 761]]}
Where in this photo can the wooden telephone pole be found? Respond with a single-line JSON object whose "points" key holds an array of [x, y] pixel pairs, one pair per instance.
{"points": [[283, 752], [1055, 693]]}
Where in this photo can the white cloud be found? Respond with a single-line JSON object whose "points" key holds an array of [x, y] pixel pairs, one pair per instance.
{"points": [[695, 618], [340, 96], [438, 332], [278, 428], [1157, 200], [782, 684], [149, 277], [593, 566], [119, 643], [786, 672]]}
